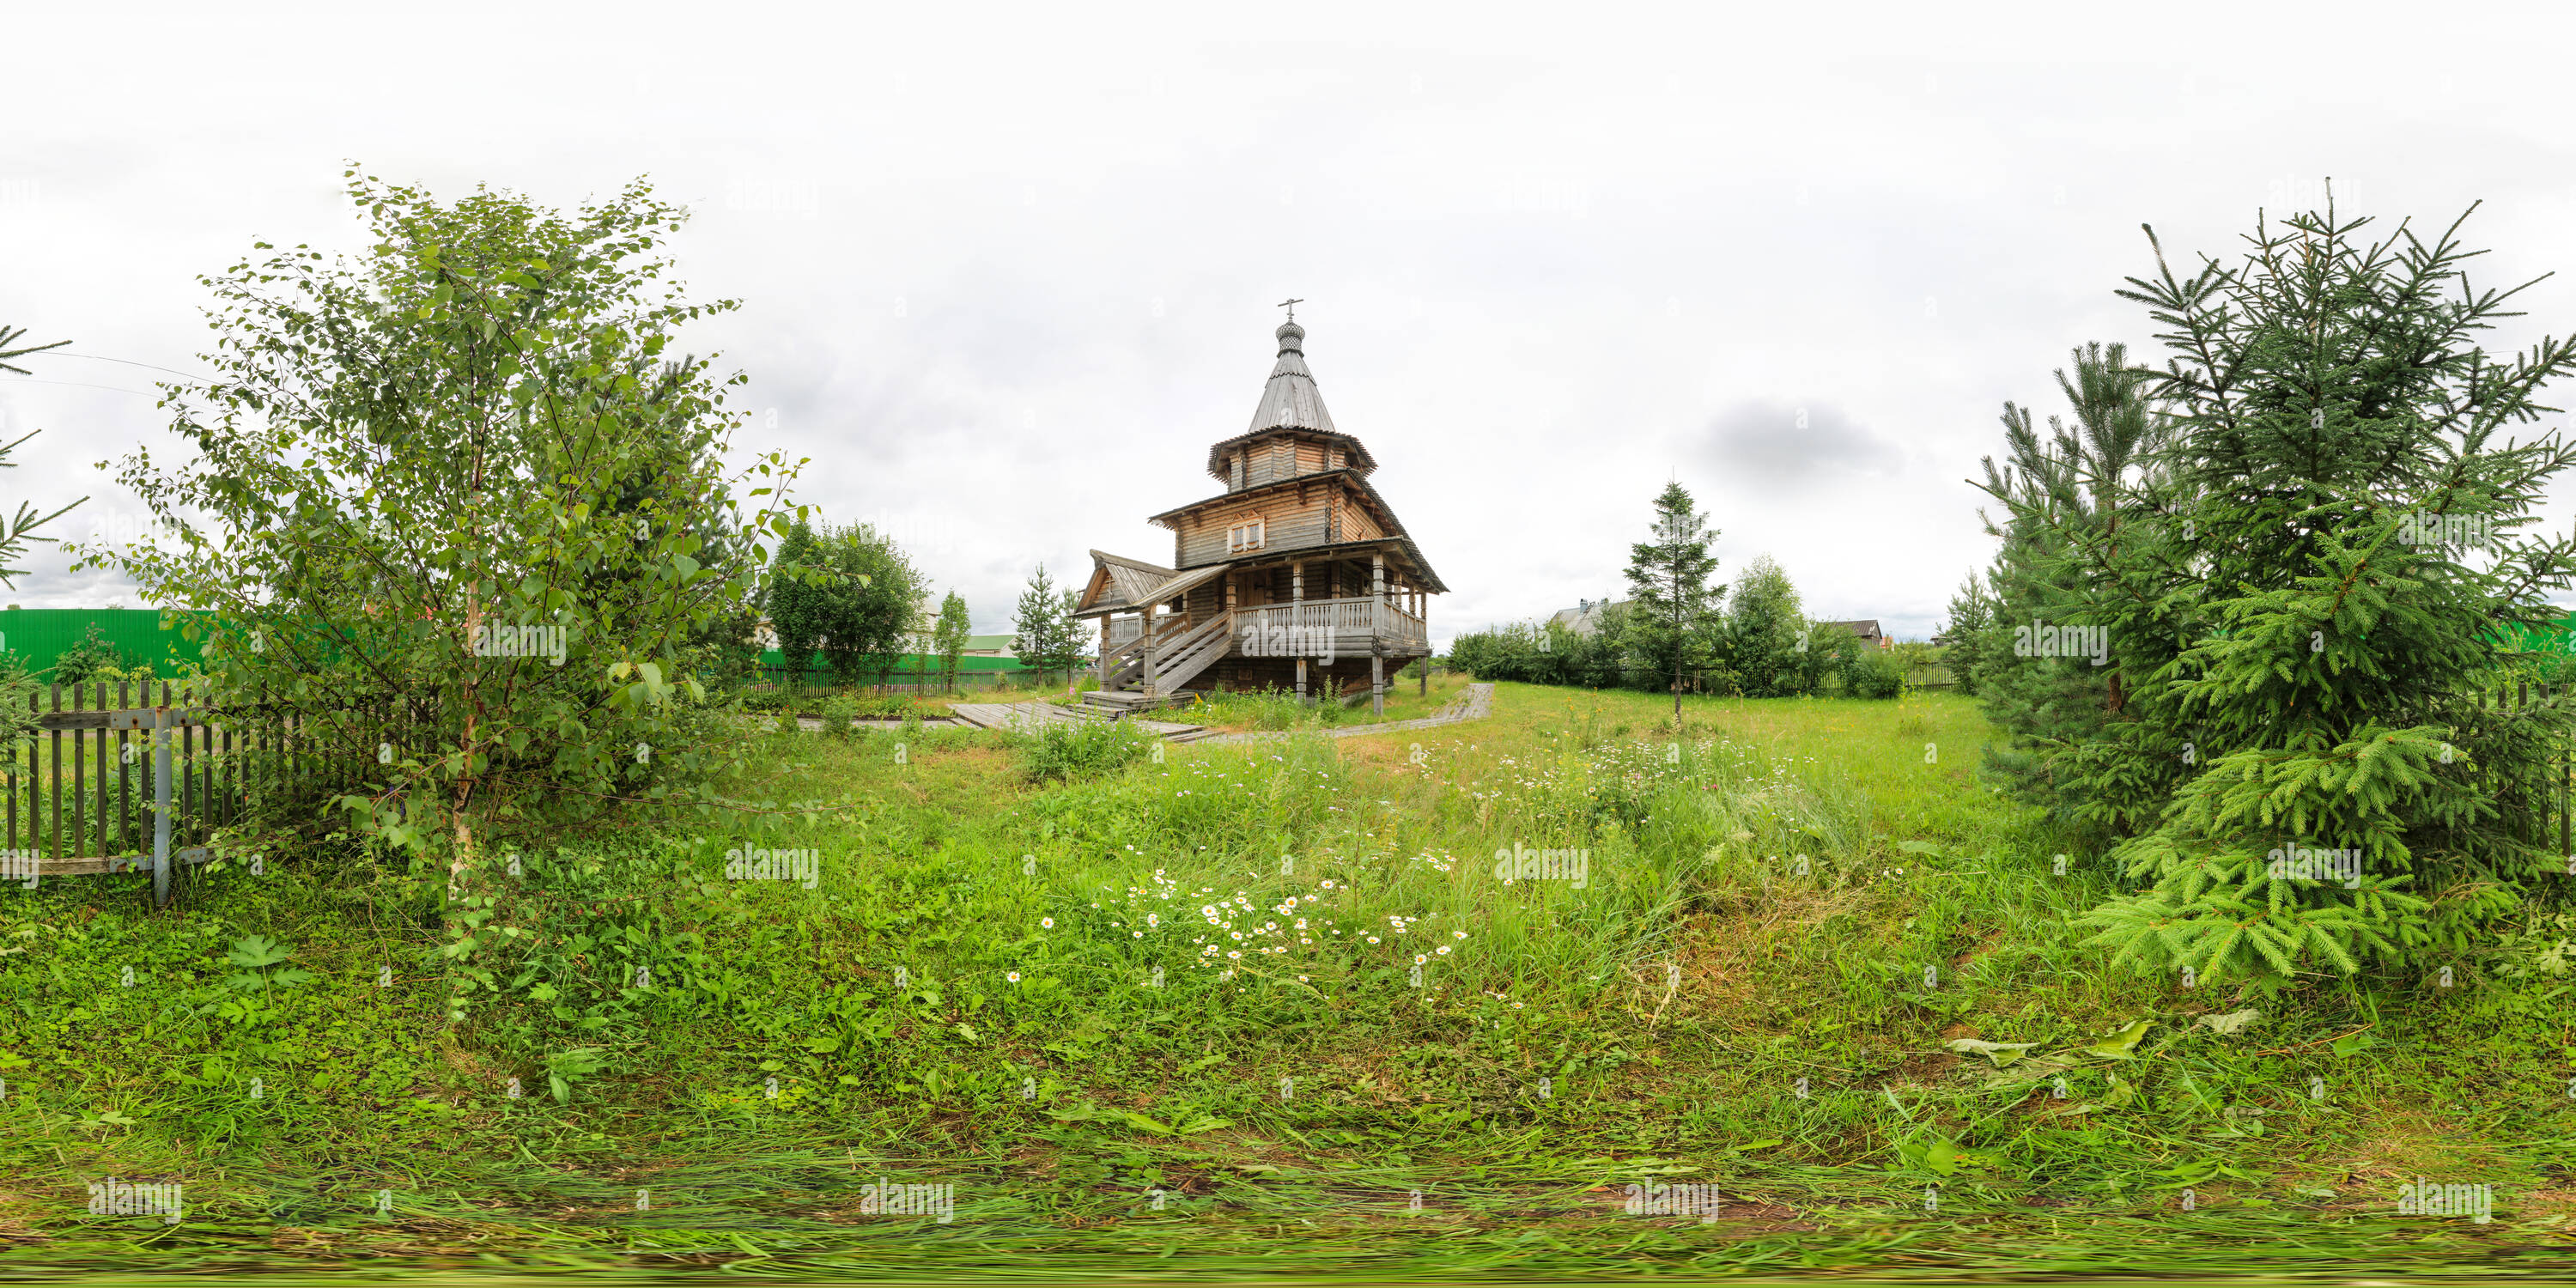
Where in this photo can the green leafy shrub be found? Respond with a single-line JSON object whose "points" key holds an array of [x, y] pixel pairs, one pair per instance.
{"points": [[1872, 673], [369, 433], [93, 660], [838, 711], [1071, 750]]}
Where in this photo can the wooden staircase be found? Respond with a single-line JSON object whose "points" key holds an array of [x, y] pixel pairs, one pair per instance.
{"points": [[1170, 659]]}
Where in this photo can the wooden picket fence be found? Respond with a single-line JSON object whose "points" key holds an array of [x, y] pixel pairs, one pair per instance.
{"points": [[2546, 801], [79, 794]]}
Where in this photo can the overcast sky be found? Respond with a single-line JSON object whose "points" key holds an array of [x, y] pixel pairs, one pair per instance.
{"points": [[1007, 273]]}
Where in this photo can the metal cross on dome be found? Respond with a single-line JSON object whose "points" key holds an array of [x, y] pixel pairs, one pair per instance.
{"points": [[1291, 306]]}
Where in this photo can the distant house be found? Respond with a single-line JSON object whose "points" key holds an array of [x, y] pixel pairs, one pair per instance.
{"points": [[1585, 617], [990, 646], [1868, 632]]}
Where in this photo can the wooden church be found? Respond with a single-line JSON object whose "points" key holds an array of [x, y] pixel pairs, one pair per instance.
{"points": [[1297, 576]]}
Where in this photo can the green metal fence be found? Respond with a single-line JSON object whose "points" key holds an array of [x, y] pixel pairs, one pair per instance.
{"points": [[40, 636]]}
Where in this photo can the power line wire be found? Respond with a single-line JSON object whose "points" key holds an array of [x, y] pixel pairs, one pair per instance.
{"points": [[75, 384], [100, 357]]}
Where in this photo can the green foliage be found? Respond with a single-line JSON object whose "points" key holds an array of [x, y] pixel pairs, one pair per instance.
{"points": [[837, 713], [1765, 638], [1074, 750], [17, 531], [2297, 666], [949, 638], [18, 688], [1672, 621], [799, 600], [847, 594], [1970, 633], [2075, 480], [1273, 708], [978, 966], [466, 522], [93, 659], [1049, 636], [1551, 653], [876, 610], [1870, 672]]}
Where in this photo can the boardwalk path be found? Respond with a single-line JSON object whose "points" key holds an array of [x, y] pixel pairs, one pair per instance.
{"points": [[1027, 716], [1476, 704]]}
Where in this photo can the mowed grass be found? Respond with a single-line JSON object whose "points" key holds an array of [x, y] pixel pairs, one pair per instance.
{"points": [[1279, 711], [1198, 976]]}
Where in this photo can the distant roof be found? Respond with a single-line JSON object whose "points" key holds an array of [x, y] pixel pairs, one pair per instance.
{"points": [[1866, 628], [992, 643], [1585, 616]]}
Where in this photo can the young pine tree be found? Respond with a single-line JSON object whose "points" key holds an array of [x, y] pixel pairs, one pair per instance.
{"points": [[2306, 641], [1048, 636], [1673, 615], [2060, 711], [1969, 634]]}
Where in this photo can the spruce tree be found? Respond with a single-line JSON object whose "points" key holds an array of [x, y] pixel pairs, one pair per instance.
{"points": [[1968, 635], [1049, 637], [1673, 616], [2055, 708], [16, 533], [2307, 598]]}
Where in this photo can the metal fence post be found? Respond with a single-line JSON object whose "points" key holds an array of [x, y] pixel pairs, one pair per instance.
{"points": [[160, 808]]}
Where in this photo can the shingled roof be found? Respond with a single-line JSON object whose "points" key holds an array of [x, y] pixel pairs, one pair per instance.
{"points": [[1291, 402]]}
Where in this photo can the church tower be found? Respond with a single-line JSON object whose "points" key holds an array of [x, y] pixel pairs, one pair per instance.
{"points": [[1297, 575]]}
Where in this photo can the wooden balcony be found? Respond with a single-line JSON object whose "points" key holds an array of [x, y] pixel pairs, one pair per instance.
{"points": [[1348, 627]]}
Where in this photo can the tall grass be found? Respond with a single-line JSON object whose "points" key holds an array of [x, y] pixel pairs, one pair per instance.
{"points": [[1069, 987]]}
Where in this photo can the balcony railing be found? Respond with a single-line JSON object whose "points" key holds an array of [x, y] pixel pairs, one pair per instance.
{"points": [[1124, 628], [1303, 627], [1350, 625]]}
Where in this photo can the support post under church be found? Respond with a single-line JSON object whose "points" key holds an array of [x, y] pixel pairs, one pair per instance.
{"points": [[1297, 595]]}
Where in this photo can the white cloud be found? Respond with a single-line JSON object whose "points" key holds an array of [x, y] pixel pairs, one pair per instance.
{"points": [[1009, 272]]}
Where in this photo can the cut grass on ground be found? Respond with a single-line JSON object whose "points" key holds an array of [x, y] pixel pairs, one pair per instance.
{"points": [[1199, 976]]}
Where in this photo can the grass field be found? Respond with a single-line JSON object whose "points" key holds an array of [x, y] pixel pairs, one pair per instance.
{"points": [[1266, 1009]]}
